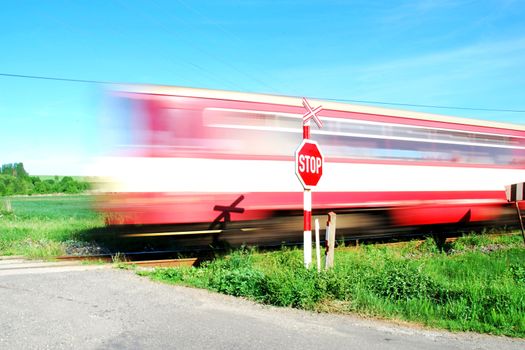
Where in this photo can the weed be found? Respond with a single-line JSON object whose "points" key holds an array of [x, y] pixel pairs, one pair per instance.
{"points": [[401, 281], [517, 271], [428, 246], [119, 258]]}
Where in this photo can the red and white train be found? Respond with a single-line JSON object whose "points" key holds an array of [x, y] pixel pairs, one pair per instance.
{"points": [[179, 154]]}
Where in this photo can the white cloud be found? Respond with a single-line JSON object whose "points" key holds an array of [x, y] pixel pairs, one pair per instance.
{"points": [[432, 78]]}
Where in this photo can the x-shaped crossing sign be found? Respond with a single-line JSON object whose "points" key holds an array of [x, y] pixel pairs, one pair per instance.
{"points": [[225, 213], [311, 113]]}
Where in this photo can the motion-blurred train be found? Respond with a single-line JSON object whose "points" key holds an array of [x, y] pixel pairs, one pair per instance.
{"points": [[215, 158]]}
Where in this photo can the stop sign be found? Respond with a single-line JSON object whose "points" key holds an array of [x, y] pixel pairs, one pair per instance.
{"points": [[309, 163]]}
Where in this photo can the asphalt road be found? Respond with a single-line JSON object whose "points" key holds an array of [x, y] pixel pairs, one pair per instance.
{"points": [[104, 308]]}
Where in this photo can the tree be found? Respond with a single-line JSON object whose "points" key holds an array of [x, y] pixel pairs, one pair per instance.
{"points": [[21, 186], [14, 179], [7, 169], [20, 171], [2, 189], [9, 186], [14, 169], [67, 185]]}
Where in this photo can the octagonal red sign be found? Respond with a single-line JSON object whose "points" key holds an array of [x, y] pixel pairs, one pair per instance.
{"points": [[309, 163]]}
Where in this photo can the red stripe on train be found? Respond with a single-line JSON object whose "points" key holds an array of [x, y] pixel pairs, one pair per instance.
{"points": [[406, 208]]}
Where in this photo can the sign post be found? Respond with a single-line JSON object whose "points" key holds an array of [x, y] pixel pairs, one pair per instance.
{"points": [[330, 240], [309, 169]]}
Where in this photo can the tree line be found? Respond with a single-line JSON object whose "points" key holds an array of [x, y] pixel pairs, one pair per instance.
{"points": [[14, 179]]}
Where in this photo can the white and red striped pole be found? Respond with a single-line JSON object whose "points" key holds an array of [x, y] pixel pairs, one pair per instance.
{"points": [[307, 202], [308, 168]]}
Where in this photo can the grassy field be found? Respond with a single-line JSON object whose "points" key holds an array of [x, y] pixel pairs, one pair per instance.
{"points": [[43, 226], [477, 285]]}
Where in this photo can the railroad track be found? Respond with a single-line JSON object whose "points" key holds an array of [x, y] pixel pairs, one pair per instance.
{"points": [[165, 258], [19, 265], [143, 259]]}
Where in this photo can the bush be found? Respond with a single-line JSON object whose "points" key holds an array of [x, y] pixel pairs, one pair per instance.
{"points": [[299, 288], [244, 281], [401, 281], [517, 272]]}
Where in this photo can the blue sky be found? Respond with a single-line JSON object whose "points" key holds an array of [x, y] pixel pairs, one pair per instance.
{"points": [[448, 52]]}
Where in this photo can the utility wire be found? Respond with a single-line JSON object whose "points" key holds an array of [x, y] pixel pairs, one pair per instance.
{"points": [[86, 81], [426, 106], [60, 79]]}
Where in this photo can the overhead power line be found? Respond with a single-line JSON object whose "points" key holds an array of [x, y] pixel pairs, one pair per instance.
{"points": [[426, 106], [59, 79], [86, 81]]}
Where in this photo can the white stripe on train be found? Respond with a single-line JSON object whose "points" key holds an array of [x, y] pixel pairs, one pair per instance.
{"points": [[137, 174]]}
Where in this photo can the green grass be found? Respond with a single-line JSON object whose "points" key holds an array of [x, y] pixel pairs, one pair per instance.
{"points": [[39, 226], [53, 206], [478, 286]]}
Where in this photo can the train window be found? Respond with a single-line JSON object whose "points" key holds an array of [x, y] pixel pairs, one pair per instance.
{"points": [[425, 144], [253, 132], [183, 129], [256, 132], [345, 138], [518, 156]]}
